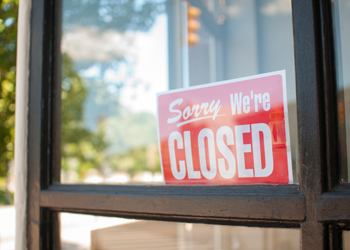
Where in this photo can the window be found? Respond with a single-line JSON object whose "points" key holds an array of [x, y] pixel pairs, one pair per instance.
{"points": [[114, 64], [318, 205]]}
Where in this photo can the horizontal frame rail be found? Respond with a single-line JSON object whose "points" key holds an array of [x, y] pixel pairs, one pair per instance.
{"points": [[334, 207], [270, 203]]}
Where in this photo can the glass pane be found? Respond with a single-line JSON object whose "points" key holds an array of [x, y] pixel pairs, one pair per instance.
{"points": [[346, 240], [341, 19], [97, 232], [116, 55]]}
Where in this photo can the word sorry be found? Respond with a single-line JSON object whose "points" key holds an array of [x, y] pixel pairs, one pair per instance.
{"points": [[213, 109]]}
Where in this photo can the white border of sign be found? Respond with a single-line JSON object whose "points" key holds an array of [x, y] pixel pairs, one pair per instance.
{"points": [[282, 73]]}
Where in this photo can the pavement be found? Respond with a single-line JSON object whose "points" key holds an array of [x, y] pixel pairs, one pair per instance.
{"points": [[7, 227], [75, 228]]}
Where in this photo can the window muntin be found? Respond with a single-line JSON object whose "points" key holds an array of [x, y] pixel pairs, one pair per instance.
{"points": [[117, 55]]}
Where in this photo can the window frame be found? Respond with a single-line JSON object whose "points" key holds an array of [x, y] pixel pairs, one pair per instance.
{"points": [[319, 205]]}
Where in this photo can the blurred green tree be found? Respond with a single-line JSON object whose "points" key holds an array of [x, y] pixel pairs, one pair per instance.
{"points": [[137, 160], [8, 40], [81, 149], [130, 150]]}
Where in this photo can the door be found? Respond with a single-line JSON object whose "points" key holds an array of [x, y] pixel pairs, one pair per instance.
{"points": [[238, 38]]}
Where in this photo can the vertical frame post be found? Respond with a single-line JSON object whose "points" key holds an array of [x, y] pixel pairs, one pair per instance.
{"points": [[41, 233], [308, 66], [21, 171], [34, 125]]}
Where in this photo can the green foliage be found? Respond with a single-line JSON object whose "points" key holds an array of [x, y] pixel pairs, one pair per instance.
{"points": [[6, 198], [131, 136], [8, 34], [127, 130], [7, 114], [81, 149], [137, 160], [8, 39], [131, 148]]}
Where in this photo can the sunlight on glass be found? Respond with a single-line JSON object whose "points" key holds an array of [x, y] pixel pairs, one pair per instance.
{"points": [[85, 232], [114, 60], [116, 55]]}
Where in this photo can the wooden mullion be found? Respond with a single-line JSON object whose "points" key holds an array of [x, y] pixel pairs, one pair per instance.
{"points": [[340, 200], [40, 220], [333, 131], [186, 218], [47, 99], [48, 218], [182, 201], [246, 190], [330, 97], [56, 95], [34, 125], [310, 106], [333, 207]]}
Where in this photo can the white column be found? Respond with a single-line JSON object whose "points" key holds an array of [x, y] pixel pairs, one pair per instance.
{"points": [[23, 41]]}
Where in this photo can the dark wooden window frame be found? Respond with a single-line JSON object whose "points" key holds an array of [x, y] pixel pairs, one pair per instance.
{"points": [[319, 206]]}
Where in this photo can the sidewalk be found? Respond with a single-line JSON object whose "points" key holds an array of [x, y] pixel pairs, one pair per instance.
{"points": [[7, 227], [75, 234]]}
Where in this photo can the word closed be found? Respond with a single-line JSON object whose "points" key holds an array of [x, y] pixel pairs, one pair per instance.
{"points": [[227, 133]]}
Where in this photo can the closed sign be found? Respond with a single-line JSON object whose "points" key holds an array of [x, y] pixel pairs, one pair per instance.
{"points": [[227, 133]]}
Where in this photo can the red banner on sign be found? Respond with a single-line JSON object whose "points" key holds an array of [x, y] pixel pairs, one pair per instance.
{"points": [[228, 133]]}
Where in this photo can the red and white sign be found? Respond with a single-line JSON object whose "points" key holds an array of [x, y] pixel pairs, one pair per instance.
{"points": [[227, 133]]}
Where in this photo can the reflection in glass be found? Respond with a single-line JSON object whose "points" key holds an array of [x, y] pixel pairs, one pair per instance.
{"points": [[97, 232], [341, 19], [346, 240], [113, 63], [116, 55]]}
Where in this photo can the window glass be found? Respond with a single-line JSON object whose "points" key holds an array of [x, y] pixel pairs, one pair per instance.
{"points": [[346, 240], [341, 19], [97, 232], [116, 55]]}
